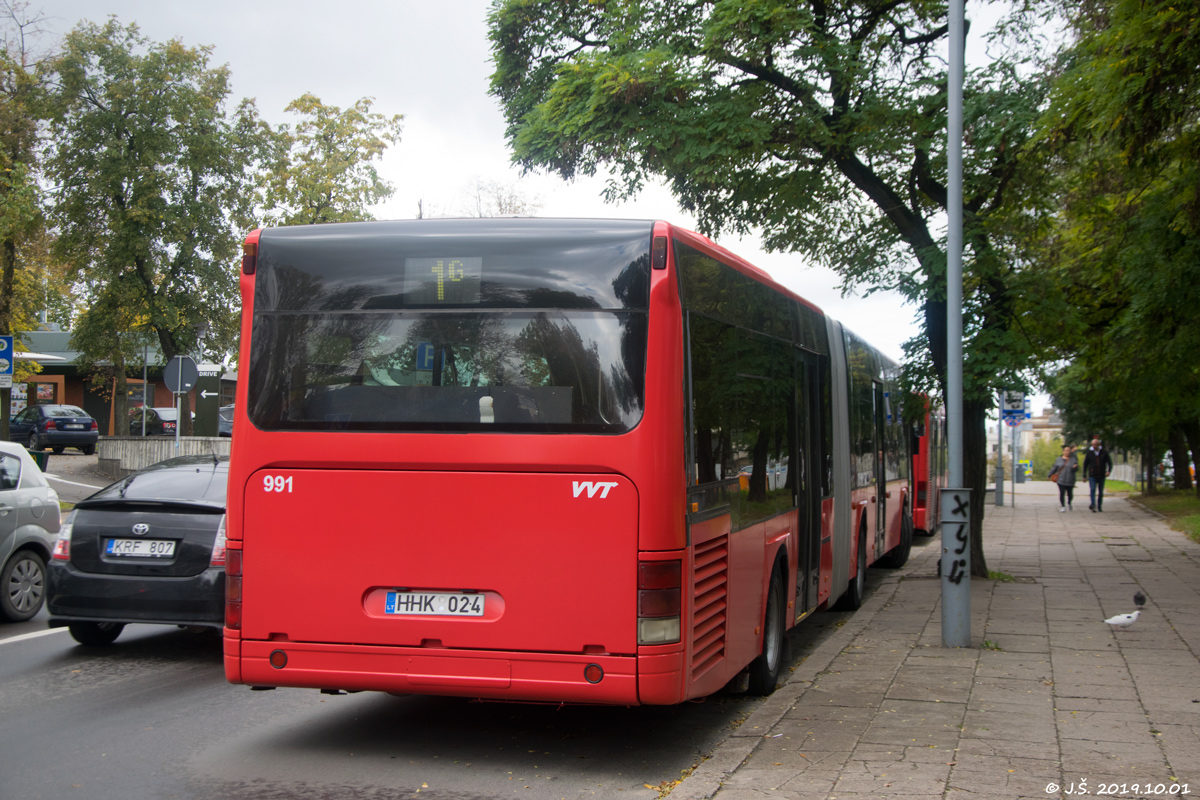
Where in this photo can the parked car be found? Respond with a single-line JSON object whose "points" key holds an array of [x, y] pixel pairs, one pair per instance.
{"points": [[225, 420], [148, 548], [54, 426], [159, 421], [29, 523]]}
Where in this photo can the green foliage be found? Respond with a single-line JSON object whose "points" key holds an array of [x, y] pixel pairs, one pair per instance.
{"points": [[1044, 454], [1180, 507], [820, 125], [1125, 246], [155, 188], [322, 169]]}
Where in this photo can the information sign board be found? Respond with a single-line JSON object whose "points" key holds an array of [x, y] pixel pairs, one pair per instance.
{"points": [[6, 362]]}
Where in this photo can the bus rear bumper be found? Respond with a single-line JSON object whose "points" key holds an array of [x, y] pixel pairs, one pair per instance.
{"points": [[531, 677]]}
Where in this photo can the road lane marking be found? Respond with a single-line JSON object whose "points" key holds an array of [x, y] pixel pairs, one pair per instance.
{"points": [[73, 483], [33, 635]]}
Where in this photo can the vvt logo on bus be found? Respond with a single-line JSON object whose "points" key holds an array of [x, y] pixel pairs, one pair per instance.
{"points": [[591, 487]]}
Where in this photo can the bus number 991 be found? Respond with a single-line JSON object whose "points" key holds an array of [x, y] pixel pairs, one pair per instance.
{"points": [[277, 483]]}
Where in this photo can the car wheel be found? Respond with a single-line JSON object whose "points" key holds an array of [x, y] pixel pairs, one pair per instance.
{"points": [[96, 634], [58, 450], [764, 670], [33, 440], [24, 586], [88, 449]]}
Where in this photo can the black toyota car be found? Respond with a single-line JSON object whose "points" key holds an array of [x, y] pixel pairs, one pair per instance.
{"points": [[148, 548]]}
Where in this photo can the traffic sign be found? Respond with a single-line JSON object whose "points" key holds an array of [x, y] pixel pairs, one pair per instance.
{"points": [[181, 374], [6, 362], [1012, 405]]}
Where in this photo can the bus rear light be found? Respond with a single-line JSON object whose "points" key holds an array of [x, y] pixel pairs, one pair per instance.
{"points": [[659, 575], [249, 258], [664, 630], [233, 589], [278, 659], [593, 673], [659, 601]]}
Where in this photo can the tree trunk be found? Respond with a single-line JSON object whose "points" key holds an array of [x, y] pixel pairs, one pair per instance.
{"points": [[1179, 457], [1149, 467], [185, 414], [120, 400], [975, 447], [1191, 431]]}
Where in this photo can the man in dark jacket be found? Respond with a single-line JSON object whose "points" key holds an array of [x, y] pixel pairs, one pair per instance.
{"points": [[1097, 465]]}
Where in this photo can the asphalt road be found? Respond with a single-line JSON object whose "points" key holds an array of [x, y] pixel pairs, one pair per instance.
{"points": [[73, 475], [152, 717]]}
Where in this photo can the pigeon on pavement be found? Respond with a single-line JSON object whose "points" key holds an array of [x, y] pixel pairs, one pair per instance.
{"points": [[1139, 599], [1123, 620]]}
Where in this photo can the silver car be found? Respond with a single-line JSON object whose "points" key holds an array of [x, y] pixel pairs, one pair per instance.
{"points": [[225, 421], [29, 522]]}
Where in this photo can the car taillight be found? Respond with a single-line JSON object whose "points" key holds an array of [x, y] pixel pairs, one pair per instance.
{"points": [[95, 425], [218, 551], [62, 547], [50, 426], [659, 601], [233, 589]]}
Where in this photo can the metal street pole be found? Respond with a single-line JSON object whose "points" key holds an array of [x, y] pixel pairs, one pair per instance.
{"points": [[956, 516], [1000, 453], [1014, 465], [145, 395]]}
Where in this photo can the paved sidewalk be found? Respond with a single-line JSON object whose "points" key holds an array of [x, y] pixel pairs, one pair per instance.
{"points": [[1046, 698]]}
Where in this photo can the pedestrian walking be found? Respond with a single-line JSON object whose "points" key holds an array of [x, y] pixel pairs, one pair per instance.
{"points": [[1097, 466], [1063, 473]]}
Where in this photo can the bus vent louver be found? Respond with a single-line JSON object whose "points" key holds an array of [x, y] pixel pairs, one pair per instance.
{"points": [[710, 604]]}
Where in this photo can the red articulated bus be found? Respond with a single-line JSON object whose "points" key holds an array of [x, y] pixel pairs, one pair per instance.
{"points": [[587, 461], [930, 464]]}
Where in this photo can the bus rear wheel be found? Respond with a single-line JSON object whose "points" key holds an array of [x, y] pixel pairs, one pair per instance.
{"points": [[765, 670]]}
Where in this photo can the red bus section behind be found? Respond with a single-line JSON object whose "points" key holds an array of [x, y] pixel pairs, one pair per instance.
{"points": [[592, 461]]}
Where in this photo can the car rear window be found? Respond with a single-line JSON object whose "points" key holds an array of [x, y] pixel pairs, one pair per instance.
{"points": [[202, 481], [64, 411]]}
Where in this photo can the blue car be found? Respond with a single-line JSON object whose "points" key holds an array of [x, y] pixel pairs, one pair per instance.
{"points": [[55, 426]]}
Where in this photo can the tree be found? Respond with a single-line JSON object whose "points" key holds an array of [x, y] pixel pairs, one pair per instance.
{"points": [[820, 124], [323, 170], [22, 91], [1124, 123], [155, 187], [487, 198]]}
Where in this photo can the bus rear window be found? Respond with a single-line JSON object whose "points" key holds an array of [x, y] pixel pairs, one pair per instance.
{"points": [[451, 325]]}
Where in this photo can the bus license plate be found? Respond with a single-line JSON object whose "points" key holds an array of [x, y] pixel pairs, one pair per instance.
{"points": [[449, 604], [140, 548]]}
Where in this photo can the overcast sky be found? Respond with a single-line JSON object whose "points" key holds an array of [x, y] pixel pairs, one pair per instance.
{"points": [[430, 62]]}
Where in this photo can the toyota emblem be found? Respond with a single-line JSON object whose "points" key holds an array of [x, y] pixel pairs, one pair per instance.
{"points": [[141, 529]]}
